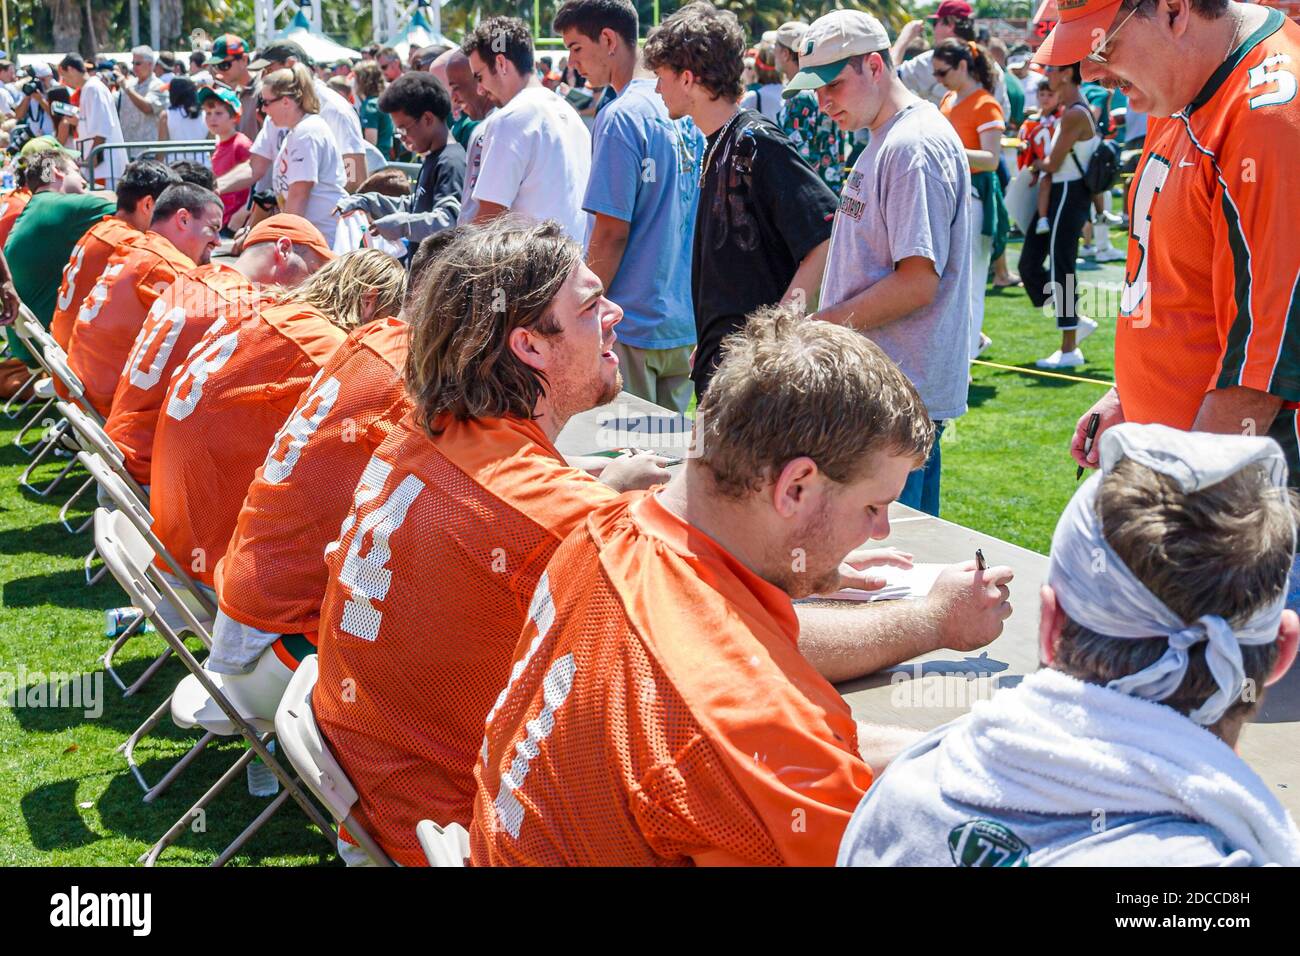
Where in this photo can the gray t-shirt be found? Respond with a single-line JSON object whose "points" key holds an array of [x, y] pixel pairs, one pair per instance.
{"points": [[906, 820], [909, 195]]}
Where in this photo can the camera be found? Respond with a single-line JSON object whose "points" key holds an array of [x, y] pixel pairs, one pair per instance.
{"points": [[31, 87]]}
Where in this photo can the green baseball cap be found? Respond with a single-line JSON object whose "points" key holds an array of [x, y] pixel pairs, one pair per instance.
{"points": [[830, 43], [229, 97], [43, 144]]}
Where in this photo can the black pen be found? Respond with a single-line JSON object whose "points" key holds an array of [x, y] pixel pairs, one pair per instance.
{"points": [[1087, 442], [980, 563]]}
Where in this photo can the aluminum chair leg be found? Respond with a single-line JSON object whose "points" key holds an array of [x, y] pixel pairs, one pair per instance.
{"points": [[132, 629], [9, 411], [127, 749], [52, 443], [150, 857], [290, 788], [92, 579], [33, 422], [258, 822], [63, 512]]}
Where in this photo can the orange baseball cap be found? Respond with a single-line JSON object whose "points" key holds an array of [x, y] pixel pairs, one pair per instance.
{"points": [[294, 228], [1079, 31]]}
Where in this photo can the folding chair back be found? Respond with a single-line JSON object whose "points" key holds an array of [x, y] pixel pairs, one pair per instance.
{"points": [[202, 609], [129, 557], [27, 327], [443, 846], [56, 361], [116, 489], [302, 743], [94, 439]]}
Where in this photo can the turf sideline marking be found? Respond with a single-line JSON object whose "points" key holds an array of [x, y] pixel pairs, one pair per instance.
{"points": [[1034, 371]]}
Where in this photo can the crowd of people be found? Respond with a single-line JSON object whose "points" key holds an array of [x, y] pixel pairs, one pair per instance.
{"points": [[604, 661]]}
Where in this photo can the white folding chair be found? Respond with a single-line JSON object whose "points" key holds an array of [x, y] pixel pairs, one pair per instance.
{"points": [[302, 742], [21, 329], [55, 360], [199, 605], [130, 560], [443, 846], [91, 436]]}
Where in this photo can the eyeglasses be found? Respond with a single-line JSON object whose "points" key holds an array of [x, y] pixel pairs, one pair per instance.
{"points": [[1098, 55]]}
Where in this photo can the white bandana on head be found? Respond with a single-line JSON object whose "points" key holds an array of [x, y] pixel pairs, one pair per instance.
{"points": [[1099, 592]]}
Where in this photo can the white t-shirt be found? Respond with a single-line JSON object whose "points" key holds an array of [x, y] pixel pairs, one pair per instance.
{"points": [[337, 113], [536, 160], [308, 154], [99, 118], [181, 126], [766, 99]]}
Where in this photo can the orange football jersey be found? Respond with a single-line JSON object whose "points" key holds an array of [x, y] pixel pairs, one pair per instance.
{"points": [[1211, 296], [174, 325], [12, 205], [428, 586], [659, 713], [273, 574], [110, 316], [223, 407], [89, 256]]}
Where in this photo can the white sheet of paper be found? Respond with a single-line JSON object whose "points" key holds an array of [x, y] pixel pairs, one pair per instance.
{"points": [[913, 582]]}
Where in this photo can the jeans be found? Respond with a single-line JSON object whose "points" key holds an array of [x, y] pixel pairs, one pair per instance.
{"points": [[922, 489]]}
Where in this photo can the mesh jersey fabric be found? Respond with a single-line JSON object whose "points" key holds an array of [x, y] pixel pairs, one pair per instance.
{"points": [[86, 264], [175, 323], [110, 316], [12, 205], [659, 713], [273, 574], [428, 587], [223, 407], [1211, 291]]}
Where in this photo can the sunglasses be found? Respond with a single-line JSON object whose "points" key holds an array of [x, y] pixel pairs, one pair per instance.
{"points": [[940, 74], [225, 65], [1098, 55]]}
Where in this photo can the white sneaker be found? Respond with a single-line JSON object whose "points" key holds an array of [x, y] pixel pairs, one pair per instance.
{"points": [[1058, 360], [985, 342], [1086, 328], [1110, 255], [1042, 227], [1087, 252], [1113, 218]]}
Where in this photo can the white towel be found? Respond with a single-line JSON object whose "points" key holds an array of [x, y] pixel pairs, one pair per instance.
{"points": [[1057, 745]]}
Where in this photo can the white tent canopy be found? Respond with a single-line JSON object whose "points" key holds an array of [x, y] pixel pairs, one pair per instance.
{"points": [[316, 45]]}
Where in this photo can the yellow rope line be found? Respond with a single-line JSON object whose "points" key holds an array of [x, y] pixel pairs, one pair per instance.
{"points": [[1034, 371]]}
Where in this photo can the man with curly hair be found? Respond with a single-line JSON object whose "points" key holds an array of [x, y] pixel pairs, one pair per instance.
{"points": [[764, 220]]}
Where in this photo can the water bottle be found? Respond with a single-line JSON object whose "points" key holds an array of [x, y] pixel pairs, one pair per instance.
{"points": [[7, 178], [118, 619], [261, 782]]}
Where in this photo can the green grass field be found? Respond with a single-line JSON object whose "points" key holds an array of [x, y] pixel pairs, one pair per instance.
{"points": [[65, 795]]}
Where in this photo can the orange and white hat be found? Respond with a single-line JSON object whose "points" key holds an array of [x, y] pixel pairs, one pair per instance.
{"points": [[1081, 27], [296, 229]]}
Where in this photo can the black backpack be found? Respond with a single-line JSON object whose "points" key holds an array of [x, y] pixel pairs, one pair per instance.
{"points": [[1103, 168]]}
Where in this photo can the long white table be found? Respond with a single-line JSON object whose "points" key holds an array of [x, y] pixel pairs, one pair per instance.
{"points": [[937, 687]]}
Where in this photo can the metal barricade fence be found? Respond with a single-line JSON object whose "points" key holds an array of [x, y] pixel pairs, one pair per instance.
{"points": [[116, 156]]}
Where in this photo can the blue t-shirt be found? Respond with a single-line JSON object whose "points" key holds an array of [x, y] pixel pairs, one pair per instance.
{"points": [[646, 173]]}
